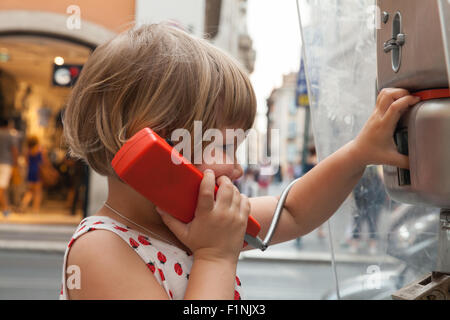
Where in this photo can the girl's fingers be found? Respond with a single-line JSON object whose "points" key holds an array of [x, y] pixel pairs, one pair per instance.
{"points": [[205, 202], [225, 193], [388, 96], [397, 108], [179, 229], [245, 206], [398, 160], [236, 202]]}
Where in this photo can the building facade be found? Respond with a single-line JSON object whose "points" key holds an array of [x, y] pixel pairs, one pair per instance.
{"points": [[222, 22], [37, 36], [284, 115]]}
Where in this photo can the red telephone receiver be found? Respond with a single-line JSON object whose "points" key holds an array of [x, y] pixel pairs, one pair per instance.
{"points": [[146, 163]]}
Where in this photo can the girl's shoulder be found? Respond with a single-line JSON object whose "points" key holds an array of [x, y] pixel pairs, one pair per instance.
{"points": [[106, 250], [85, 242], [111, 233], [106, 266]]}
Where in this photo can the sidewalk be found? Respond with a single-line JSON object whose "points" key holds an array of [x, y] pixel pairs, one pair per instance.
{"points": [[52, 212], [311, 248], [41, 218], [47, 231], [46, 238]]}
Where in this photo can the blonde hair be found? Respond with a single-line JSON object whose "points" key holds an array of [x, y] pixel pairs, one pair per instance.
{"points": [[155, 76]]}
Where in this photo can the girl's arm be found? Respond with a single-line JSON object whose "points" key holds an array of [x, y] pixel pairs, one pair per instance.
{"points": [[318, 194], [313, 199], [215, 238]]}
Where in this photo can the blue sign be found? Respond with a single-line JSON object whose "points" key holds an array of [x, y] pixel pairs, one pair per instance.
{"points": [[301, 92]]}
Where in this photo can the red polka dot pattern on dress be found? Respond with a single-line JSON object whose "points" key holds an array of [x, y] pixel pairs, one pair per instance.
{"points": [[151, 266], [161, 274], [161, 257], [178, 269], [121, 229], [144, 240], [133, 243], [170, 265]]}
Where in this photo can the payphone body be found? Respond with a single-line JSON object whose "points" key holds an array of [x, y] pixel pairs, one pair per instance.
{"points": [[423, 133], [411, 54]]}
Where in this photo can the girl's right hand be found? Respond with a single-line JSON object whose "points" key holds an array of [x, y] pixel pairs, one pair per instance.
{"points": [[218, 228], [375, 142]]}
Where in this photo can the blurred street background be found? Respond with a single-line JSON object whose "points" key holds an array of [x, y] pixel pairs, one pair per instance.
{"points": [[367, 250], [31, 257]]}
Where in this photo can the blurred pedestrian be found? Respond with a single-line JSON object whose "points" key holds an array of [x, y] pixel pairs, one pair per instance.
{"points": [[278, 177], [264, 181], [311, 160], [78, 172], [369, 195], [8, 160], [17, 185], [249, 186], [297, 170], [34, 190], [290, 171]]}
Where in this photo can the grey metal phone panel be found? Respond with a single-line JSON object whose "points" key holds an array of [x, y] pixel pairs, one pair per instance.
{"points": [[404, 193], [428, 126], [432, 164], [422, 64]]}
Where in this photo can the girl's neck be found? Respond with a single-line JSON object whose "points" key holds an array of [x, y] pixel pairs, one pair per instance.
{"points": [[138, 209]]}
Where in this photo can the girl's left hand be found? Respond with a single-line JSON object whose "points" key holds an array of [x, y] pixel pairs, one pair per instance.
{"points": [[375, 143]]}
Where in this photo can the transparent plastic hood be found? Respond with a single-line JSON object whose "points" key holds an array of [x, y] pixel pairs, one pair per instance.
{"points": [[378, 246]]}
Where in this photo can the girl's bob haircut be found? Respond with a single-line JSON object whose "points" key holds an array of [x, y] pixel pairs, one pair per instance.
{"points": [[155, 76]]}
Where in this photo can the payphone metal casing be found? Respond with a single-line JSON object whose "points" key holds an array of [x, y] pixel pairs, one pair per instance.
{"points": [[424, 134], [410, 50], [411, 55]]}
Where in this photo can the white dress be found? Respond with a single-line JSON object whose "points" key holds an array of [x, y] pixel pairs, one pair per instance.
{"points": [[169, 264]]}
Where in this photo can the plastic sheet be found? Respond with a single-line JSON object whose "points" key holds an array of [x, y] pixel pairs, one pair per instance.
{"points": [[339, 51]]}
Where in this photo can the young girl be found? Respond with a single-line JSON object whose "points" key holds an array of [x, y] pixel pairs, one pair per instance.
{"points": [[160, 77]]}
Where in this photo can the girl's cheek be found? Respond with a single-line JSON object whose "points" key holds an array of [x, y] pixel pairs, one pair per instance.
{"points": [[202, 167], [213, 167], [223, 166]]}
